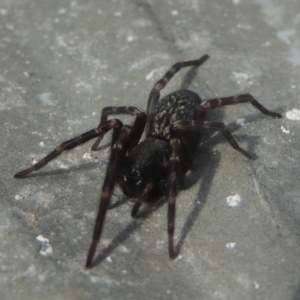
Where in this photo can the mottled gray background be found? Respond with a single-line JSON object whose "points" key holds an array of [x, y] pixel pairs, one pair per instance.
{"points": [[237, 225]]}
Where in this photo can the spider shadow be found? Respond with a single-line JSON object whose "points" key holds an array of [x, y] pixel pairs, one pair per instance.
{"points": [[78, 168], [189, 77], [251, 141], [129, 230], [204, 169]]}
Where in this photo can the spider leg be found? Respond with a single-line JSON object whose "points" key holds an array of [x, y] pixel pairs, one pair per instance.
{"points": [[160, 84], [142, 198], [72, 143], [138, 126], [173, 190], [119, 149], [244, 98]]}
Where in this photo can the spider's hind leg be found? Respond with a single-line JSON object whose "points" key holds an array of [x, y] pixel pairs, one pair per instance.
{"points": [[243, 98], [198, 125]]}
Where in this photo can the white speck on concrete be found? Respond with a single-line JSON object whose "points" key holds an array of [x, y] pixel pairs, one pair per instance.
{"points": [[62, 11], [46, 248], [287, 131], [109, 259], [236, 1], [256, 285], [63, 167], [19, 197], [84, 85], [293, 114], [123, 249], [95, 279], [233, 200], [174, 12], [150, 75], [240, 76], [87, 156], [42, 144], [131, 38], [46, 99], [267, 142], [118, 14], [60, 41], [3, 12], [230, 245], [42, 240], [266, 44], [241, 122]]}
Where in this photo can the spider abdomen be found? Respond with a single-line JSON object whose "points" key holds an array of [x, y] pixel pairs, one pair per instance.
{"points": [[179, 105]]}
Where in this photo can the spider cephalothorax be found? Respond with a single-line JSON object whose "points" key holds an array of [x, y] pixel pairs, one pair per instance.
{"points": [[157, 165]]}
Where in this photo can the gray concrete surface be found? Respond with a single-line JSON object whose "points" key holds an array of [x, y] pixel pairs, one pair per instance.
{"points": [[237, 225]]}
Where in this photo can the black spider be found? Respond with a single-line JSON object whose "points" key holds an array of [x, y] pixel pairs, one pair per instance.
{"points": [[158, 164]]}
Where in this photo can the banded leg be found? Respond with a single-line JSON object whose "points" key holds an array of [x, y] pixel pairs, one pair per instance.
{"points": [[118, 152], [173, 190], [244, 98], [138, 126], [114, 124], [160, 84], [142, 198], [198, 125]]}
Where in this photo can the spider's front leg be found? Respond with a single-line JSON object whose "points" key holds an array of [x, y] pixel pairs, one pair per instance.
{"points": [[114, 124], [160, 84], [138, 126], [118, 152]]}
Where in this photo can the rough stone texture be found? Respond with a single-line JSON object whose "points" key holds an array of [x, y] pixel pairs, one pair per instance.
{"points": [[237, 220]]}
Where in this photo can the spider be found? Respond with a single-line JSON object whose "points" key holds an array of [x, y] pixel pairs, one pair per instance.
{"points": [[156, 166]]}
